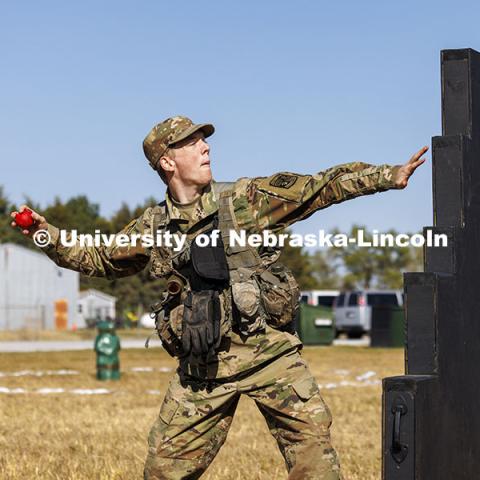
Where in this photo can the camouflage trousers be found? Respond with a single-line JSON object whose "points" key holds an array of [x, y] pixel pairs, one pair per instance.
{"points": [[194, 420]]}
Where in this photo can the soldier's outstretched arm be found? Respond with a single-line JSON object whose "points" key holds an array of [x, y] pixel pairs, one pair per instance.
{"points": [[111, 261], [282, 199]]}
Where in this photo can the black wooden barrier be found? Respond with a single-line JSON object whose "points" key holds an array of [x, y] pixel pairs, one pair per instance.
{"points": [[431, 415], [388, 326]]}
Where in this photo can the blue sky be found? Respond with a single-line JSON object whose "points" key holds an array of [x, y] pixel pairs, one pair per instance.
{"points": [[297, 86]]}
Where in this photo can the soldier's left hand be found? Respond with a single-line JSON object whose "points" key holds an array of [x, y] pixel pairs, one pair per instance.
{"points": [[406, 171]]}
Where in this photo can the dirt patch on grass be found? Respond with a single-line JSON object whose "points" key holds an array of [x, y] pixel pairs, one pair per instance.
{"points": [[68, 335]]}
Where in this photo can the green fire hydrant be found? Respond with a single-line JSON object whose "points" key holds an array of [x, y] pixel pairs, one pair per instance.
{"points": [[107, 346]]}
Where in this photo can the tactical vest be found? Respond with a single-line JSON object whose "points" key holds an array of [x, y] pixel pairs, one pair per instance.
{"points": [[260, 290]]}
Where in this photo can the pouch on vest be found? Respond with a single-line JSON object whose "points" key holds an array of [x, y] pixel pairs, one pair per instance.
{"points": [[280, 295], [246, 297], [209, 262], [164, 315]]}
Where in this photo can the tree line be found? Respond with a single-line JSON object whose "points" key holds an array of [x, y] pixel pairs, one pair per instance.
{"points": [[333, 268]]}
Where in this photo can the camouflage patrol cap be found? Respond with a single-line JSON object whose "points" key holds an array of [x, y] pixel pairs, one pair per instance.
{"points": [[171, 131]]}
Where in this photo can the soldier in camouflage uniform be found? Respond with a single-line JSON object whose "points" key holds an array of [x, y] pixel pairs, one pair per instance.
{"points": [[256, 355]]}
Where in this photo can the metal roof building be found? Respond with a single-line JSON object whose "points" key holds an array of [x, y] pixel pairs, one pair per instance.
{"points": [[34, 292]]}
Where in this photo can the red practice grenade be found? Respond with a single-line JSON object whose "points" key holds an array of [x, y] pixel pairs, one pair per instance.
{"points": [[24, 219]]}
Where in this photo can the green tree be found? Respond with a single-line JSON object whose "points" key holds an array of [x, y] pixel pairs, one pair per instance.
{"points": [[324, 269], [77, 213], [375, 266], [121, 217], [298, 261], [139, 209], [7, 233]]}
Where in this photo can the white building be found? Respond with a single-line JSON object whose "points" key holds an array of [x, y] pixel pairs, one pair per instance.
{"points": [[93, 304], [34, 292]]}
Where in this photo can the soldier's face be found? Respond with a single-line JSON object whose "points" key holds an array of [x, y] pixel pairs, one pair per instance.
{"points": [[192, 160]]}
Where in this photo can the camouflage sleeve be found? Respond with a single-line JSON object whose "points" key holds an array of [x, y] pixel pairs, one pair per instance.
{"points": [[282, 199], [110, 261]]}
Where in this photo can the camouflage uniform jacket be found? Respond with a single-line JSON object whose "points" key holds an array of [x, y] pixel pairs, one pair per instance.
{"points": [[272, 203]]}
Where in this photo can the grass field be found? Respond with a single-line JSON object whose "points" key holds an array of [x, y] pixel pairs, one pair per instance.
{"points": [[70, 434]]}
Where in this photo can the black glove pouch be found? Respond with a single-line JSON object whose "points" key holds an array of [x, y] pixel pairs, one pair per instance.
{"points": [[201, 323]]}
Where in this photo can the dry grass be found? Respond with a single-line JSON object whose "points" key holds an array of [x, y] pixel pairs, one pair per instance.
{"points": [[66, 436]]}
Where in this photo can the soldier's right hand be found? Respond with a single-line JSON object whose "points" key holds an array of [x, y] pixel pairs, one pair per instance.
{"points": [[40, 222], [407, 170]]}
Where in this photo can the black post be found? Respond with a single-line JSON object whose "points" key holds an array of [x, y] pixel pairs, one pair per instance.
{"points": [[431, 415]]}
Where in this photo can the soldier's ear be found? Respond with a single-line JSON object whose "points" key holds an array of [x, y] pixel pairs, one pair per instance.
{"points": [[167, 163]]}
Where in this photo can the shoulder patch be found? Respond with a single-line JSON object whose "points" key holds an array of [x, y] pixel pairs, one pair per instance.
{"points": [[283, 180], [285, 185]]}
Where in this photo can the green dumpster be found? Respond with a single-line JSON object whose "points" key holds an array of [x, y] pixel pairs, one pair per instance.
{"points": [[315, 325], [388, 326]]}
